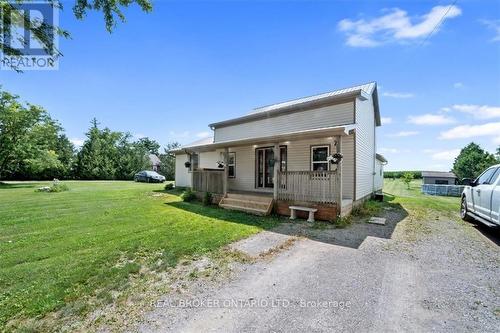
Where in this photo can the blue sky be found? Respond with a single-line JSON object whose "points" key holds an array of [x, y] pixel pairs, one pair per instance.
{"points": [[169, 73]]}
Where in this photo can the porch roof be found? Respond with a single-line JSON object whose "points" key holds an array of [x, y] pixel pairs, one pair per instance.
{"points": [[307, 134]]}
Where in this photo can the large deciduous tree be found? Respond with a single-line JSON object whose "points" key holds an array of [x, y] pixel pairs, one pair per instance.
{"points": [[472, 160], [12, 19], [32, 144]]}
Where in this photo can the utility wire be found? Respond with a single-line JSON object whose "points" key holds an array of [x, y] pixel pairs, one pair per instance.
{"points": [[439, 23]]}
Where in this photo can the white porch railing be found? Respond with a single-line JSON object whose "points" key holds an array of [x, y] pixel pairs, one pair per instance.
{"points": [[309, 186]]}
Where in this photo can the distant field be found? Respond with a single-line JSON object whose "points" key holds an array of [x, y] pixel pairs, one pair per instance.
{"points": [[58, 248]]}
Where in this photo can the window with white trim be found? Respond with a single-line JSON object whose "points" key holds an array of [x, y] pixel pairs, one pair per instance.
{"points": [[319, 155], [231, 164]]}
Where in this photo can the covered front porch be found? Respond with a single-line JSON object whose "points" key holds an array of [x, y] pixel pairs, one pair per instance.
{"points": [[261, 175]]}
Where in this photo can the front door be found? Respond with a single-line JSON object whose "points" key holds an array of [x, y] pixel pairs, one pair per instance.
{"points": [[264, 167]]}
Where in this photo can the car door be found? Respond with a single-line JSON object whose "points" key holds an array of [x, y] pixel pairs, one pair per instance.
{"points": [[481, 190], [487, 192]]}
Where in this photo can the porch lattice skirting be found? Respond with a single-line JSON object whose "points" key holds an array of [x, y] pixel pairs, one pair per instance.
{"points": [[309, 186]]}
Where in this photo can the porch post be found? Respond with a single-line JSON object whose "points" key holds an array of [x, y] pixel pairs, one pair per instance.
{"points": [[339, 172], [277, 164], [226, 172]]}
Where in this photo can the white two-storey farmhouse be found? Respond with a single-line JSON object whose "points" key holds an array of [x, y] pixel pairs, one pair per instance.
{"points": [[317, 151]]}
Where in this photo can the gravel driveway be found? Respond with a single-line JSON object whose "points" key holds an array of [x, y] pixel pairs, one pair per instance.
{"points": [[437, 275]]}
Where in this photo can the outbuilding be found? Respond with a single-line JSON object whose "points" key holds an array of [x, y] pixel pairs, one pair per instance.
{"points": [[439, 178]]}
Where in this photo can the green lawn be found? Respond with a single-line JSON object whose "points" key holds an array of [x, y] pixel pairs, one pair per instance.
{"points": [[417, 203], [57, 248]]}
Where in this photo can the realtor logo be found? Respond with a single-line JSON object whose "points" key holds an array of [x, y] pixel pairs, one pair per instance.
{"points": [[28, 35]]}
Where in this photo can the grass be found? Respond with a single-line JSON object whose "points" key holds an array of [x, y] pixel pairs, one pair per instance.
{"points": [[59, 249], [419, 204]]}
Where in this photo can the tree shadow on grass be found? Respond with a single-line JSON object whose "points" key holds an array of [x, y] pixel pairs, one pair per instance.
{"points": [[352, 236], [9, 186]]}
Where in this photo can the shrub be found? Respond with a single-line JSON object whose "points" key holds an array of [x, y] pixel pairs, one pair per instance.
{"points": [[399, 174], [188, 195], [169, 186], [57, 186], [207, 199]]}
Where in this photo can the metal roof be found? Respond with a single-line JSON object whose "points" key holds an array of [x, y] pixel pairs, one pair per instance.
{"points": [[440, 174], [363, 91], [367, 88]]}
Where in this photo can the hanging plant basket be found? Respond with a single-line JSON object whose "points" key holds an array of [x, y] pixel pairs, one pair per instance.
{"points": [[187, 164], [335, 158]]}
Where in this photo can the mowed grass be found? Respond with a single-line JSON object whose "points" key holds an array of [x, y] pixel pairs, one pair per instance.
{"points": [[58, 248], [417, 203]]}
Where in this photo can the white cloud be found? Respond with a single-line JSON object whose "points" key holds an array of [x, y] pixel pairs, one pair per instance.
{"points": [[478, 111], [77, 142], [430, 119], [202, 135], [496, 140], [386, 120], [470, 131], [404, 134], [389, 150], [458, 85], [179, 135], [495, 25], [396, 25], [445, 155], [397, 94], [137, 136]]}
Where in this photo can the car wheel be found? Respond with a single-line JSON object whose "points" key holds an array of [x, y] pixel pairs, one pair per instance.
{"points": [[463, 210]]}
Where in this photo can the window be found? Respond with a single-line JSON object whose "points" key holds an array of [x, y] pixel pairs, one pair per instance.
{"points": [[485, 177], [441, 182], [494, 177], [194, 158], [319, 156], [231, 164]]}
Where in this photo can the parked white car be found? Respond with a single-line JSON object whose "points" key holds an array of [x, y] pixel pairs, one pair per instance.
{"points": [[481, 197]]}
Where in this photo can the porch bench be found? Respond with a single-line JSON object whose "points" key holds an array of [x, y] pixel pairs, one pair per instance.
{"points": [[293, 213]]}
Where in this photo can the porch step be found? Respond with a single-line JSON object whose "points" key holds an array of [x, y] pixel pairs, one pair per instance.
{"points": [[253, 204]]}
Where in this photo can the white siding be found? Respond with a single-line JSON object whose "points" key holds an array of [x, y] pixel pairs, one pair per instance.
{"points": [[365, 148], [379, 175], [299, 159], [208, 160], [348, 167], [340, 114], [182, 175]]}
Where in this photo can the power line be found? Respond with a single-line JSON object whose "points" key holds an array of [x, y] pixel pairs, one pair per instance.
{"points": [[439, 23]]}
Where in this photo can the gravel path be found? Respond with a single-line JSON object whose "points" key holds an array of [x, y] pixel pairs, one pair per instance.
{"points": [[433, 276]]}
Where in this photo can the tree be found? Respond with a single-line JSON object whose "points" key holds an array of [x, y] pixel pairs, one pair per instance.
{"points": [[168, 160], [106, 154], [150, 145], [407, 178], [472, 160], [13, 19], [30, 141], [96, 159]]}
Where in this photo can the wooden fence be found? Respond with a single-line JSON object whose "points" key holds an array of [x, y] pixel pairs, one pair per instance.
{"points": [[309, 186], [208, 181]]}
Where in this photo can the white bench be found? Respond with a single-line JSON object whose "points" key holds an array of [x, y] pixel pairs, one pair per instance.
{"points": [[293, 213]]}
